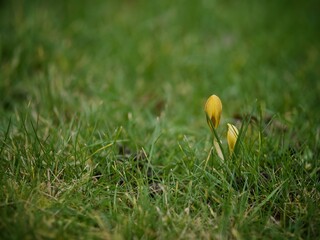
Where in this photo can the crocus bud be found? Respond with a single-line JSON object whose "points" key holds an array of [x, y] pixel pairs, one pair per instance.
{"points": [[213, 109], [232, 136]]}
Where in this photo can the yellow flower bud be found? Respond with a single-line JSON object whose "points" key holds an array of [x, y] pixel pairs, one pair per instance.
{"points": [[213, 109], [232, 136]]}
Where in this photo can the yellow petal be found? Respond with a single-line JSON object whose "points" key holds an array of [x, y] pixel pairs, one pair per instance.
{"points": [[232, 136], [213, 109], [218, 149]]}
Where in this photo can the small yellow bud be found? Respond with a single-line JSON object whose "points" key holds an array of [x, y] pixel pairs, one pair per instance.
{"points": [[232, 136], [213, 109]]}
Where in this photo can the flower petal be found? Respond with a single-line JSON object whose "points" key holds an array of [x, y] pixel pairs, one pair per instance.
{"points": [[213, 109], [232, 136]]}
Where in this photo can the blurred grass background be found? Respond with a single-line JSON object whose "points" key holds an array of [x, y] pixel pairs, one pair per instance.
{"points": [[76, 74], [123, 53]]}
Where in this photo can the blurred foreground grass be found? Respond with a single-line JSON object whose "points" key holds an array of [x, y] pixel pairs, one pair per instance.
{"points": [[102, 128]]}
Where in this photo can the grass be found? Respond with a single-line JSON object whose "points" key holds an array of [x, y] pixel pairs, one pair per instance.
{"points": [[103, 133]]}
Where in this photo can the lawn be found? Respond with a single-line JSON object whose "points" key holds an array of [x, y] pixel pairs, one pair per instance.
{"points": [[103, 133]]}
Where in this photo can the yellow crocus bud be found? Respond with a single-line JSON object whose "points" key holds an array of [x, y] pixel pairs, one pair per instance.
{"points": [[232, 136], [213, 109]]}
